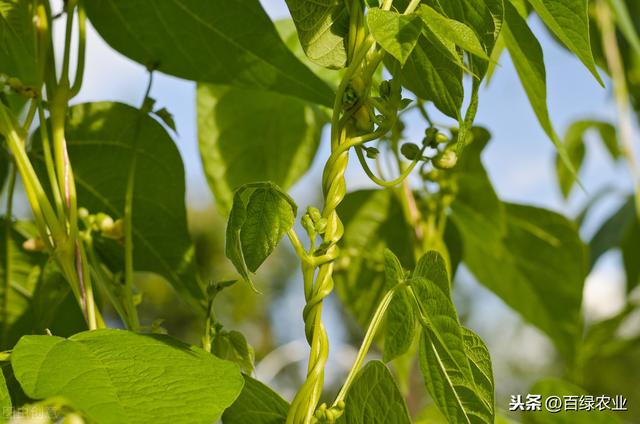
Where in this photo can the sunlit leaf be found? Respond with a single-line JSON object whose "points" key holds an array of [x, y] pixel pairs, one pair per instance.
{"points": [[452, 30], [396, 33], [261, 215], [322, 28], [246, 136], [257, 404], [374, 398], [115, 376], [569, 21], [230, 42]]}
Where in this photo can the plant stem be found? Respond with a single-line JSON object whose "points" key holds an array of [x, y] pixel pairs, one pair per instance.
{"points": [[48, 159], [8, 253], [621, 92], [369, 336], [82, 46]]}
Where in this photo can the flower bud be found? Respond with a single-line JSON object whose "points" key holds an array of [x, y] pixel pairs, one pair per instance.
{"points": [[113, 230], [371, 152], [385, 89], [314, 213], [307, 223], [33, 245], [446, 159], [410, 151], [321, 226], [441, 138]]}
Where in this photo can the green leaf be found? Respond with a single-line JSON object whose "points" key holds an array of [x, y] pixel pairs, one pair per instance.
{"points": [[432, 415], [480, 362], [556, 387], [43, 302], [528, 60], [432, 73], [569, 21], [104, 141], [373, 221], [289, 34], [575, 147], [446, 353], [261, 215], [115, 376], [396, 33], [452, 30], [477, 212], [233, 43], [36, 295], [621, 230], [167, 118], [322, 28], [485, 17], [17, 290], [374, 398], [5, 400], [245, 136], [17, 40], [537, 267], [233, 346], [257, 404], [400, 320], [612, 231]]}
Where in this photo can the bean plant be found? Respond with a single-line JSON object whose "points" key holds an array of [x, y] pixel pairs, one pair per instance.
{"points": [[106, 186]]}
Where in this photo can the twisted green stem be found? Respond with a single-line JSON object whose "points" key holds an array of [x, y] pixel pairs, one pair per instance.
{"points": [[334, 189]]}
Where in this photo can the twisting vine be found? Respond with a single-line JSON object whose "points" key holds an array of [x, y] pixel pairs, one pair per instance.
{"points": [[352, 116]]}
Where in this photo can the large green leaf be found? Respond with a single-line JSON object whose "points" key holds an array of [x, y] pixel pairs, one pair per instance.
{"points": [[396, 33], [229, 42], [563, 389], [538, 268], [373, 220], [245, 136], [322, 27], [528, 60], [575, 146], [400, 320], [374, 398], [569, 21], [17, 40], [261, 215], [446, 353], [115, 376], [452, 30], [257, 404], [105, 142]]}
